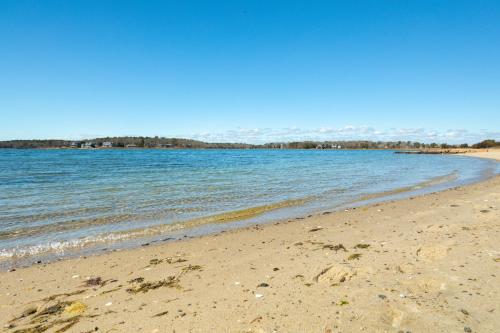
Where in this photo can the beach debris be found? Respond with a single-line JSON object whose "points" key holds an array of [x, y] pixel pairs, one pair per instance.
{"points": [[171, 300], [27, 312], [144, 287], [484, 211], [275, 269], [263, 285], [354, 256], [362, 246], [382, 297], [318, 228], [168, 260], [75, 308], [161, 314], [314, 242], [191, 268], [39, 328], [155, 261], [334, 275], [55, 309], [467, 329], [70, 322], [94, 282], [137, 280], [75, 276], [259, 295], [53, 297], [256, 319], [171, 260], [42, 320], [111, 290], [108, 304], [496, 259], [465, 312], [335, 247]]}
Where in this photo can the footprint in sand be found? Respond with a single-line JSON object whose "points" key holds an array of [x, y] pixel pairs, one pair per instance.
{"points": [[426, 285], [432, 252], [335, 274], [392, 316], [254, 330]]}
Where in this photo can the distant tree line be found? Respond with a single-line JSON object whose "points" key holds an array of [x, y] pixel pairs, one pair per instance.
{"points": [[376, 145], [162, 142], [121, 142], [32, 143], [487, 144]]}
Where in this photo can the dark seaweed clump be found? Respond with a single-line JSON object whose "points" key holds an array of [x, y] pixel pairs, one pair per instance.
{"points": [[335, 247], [144, 287]]}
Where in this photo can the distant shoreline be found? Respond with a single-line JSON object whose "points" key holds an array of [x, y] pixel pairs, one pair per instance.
{"points": [[179, 143], [436, 151]]}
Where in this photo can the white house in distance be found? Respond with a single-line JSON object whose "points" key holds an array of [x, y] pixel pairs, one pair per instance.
{"points": [[87, 145], [107, 144]]}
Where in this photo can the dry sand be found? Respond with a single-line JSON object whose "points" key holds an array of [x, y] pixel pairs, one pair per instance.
{"points": [[425, 264], [485, 153]]}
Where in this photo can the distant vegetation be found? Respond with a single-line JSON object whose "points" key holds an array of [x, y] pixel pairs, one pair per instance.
{"points": [[177, 143], [120, 142], [487, 144]]}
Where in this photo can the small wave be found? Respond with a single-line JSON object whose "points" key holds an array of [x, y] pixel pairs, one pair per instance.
{"points": [[59, 247], [428, 183]]}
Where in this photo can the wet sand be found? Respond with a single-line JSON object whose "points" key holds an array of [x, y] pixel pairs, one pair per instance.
{"points": [[424, 264]]}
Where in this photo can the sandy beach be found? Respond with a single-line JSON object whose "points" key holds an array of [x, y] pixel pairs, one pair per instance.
{"points": [[424, 264]]}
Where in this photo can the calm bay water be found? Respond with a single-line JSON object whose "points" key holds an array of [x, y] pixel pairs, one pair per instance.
{"points": [[59, 201]]}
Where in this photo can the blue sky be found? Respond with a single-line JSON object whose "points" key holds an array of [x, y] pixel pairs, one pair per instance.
{"points": [[251, 70]]}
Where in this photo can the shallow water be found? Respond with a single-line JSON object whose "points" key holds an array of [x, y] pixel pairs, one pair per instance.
{"points": [[58, 201]]}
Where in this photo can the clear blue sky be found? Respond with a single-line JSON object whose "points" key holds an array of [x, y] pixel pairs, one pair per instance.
{"points": [[250, 70]]}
